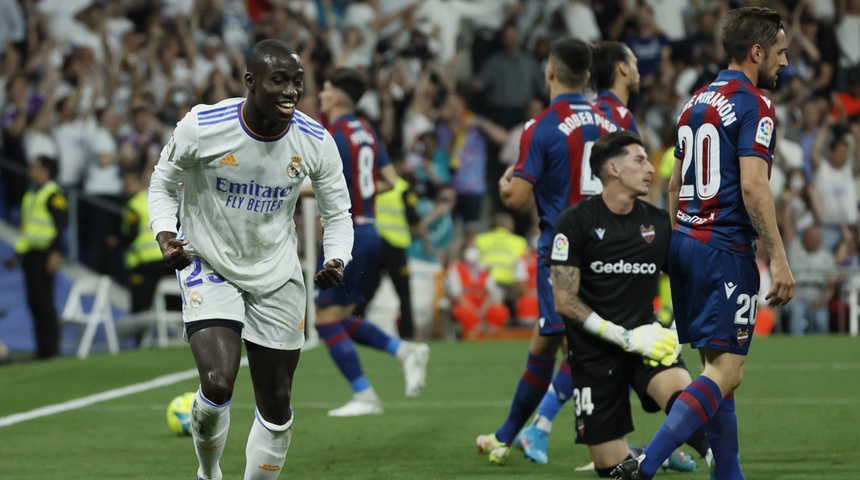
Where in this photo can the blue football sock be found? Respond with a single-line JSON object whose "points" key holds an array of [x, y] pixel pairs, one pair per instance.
{"points": [[698, 440], [722, 431], [696, 405], [342, 351], [558, 394], [366, 333], [530, 390]]}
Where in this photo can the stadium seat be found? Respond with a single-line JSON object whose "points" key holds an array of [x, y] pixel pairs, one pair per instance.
{"points": [[99, 314], [162, 317]]}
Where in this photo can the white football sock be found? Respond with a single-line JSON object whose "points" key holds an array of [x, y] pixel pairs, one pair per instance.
{"points": [[209, 426], [267, 448], [367, 395], [403, 350], [543, 423]]}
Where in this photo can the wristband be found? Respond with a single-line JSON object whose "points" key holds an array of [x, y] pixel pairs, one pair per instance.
{"points": [[594, 324]]}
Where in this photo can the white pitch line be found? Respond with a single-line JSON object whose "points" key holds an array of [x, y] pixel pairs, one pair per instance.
{"points": [[82, 402]]}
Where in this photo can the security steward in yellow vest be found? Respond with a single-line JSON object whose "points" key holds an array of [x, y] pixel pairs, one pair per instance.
{"points": [[503, 251], [43, 221], [395, 219], [143, 259]]}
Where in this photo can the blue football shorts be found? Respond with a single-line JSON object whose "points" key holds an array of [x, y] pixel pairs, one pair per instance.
{"points": [[364, 264], [714, 294], [550, 322]]}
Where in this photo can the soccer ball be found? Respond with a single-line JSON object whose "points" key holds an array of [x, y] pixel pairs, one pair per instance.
{"points": [[179, 414]]}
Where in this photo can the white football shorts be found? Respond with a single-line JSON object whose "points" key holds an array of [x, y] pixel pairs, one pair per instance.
{"points": [[274, 319]]}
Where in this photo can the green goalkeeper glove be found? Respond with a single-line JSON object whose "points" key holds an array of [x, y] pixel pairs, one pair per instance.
{"points": [[656, 344]]}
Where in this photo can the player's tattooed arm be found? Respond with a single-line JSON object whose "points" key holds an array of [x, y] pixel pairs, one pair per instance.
{"points": [[759, 203], [565, 290], [758, 200], [758, 221]]}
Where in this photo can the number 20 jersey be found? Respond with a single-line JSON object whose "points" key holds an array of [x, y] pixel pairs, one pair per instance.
{"points": [[554, 153], [724, 121]]}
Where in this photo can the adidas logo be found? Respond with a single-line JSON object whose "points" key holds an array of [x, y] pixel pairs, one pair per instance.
{"points": [[229, 160]]}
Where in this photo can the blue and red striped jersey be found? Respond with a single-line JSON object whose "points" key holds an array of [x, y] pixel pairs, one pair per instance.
{"points": [[554, 152], [615, 110], [362, 155], [724, 121]]}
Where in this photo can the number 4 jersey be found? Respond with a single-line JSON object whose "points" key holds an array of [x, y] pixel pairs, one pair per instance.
{"points": [[554, 152], [724, 121]]}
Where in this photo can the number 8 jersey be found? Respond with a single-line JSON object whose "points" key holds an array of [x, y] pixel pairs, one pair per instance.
{"points": [[363, 156], [724, 121]]}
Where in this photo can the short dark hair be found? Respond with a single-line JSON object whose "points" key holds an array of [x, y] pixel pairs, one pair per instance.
{"points": [[571, 58], [840, 137], [350, 81], [49, 163], [748, 26], [610, 146], [607, 55], [265, 48]]}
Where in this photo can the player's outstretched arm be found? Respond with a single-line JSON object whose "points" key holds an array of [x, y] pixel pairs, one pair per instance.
{"points": [[758, 200], [653, 342]]}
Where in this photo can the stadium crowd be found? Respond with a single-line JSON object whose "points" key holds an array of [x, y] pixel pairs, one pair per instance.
{"points": [[99, 85]]}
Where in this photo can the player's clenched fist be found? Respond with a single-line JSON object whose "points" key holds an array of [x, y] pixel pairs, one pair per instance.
{"points": [[172, 250], [330, 275]]}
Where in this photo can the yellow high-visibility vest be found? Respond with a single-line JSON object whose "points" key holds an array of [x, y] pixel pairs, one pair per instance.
{"points": [[391, 220], [37, 225], [144, 248], [500, 250]]}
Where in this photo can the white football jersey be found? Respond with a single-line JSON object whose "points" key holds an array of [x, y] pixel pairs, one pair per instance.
{"points": [[239, 193]]}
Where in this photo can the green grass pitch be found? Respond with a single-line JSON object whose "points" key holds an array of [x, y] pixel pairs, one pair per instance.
{"points": [[799, 415]]}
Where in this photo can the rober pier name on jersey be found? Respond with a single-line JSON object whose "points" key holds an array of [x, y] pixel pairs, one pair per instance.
{"points": [[242, 195], [584, 117]]}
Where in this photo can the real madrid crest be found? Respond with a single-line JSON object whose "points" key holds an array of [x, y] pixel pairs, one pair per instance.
{"points": [[294, 169], [647, 232], [195, 299]]}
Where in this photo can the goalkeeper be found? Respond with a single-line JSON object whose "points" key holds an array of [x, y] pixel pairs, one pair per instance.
{"points": [[605, 260]]}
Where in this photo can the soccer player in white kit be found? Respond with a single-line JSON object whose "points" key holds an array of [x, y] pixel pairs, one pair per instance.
{"points": [[237, 167]]}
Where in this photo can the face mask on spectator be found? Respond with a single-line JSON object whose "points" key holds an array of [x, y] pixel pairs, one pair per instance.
{"points": [[472, 256], [797, 184]]}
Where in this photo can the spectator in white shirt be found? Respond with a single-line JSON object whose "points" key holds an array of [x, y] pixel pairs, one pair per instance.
{"points": [[813, 267], [837, 193]]}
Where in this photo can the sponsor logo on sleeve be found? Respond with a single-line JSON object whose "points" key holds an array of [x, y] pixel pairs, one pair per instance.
{"points": [[764, 132], [560, 248]]}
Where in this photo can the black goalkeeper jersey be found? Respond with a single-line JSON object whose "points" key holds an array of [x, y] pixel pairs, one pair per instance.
{"points": [[620, 258]]}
